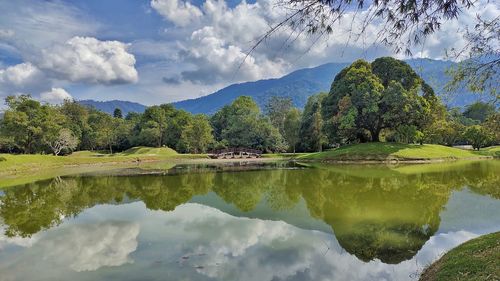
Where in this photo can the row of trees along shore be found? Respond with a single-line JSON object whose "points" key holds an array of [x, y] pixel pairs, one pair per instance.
{"points": [[380, 101]]}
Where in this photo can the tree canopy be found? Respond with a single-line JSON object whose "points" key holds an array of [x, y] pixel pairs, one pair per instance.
{"points": [[366, 98]]}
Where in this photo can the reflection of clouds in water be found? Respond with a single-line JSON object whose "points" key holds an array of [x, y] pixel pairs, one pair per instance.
{"points": [[196, 242], [252, 249], [87, 247], [440, 243]]}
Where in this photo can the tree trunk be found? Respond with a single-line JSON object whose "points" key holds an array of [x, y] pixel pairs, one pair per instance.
{"points": [[110, 149], [375, 135]]}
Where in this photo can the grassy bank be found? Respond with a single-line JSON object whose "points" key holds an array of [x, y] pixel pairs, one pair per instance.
{"points": [[396, 151], [20, 169], [477, 259], [17, 169]]}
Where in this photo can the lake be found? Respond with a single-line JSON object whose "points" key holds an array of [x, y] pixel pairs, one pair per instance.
{"points": [[278, 221]]}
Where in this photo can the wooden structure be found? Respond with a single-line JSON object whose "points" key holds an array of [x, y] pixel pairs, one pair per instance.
{"points": [[235, 153]]}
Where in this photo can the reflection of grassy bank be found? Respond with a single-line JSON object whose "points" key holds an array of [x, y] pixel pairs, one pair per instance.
{"points": [[397, 151], [477, 259]]}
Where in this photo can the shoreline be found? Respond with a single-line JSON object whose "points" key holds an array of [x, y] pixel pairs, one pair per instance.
{"points": [[23, 173], [193, 161], [396, 161]]}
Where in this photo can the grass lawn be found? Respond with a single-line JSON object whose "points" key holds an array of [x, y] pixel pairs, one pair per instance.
{"points": [[388, 151], [477, 259], [18, 169]]}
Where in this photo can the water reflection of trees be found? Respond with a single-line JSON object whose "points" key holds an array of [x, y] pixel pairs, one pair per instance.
{"points": [[374, 212]]}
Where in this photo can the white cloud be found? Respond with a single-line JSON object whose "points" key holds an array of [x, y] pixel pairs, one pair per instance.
{"points": [[24, 77], [179, 12], [86, 59], [216, 60], [37, 24], [6, 33], [55, 96], [218, 47]]}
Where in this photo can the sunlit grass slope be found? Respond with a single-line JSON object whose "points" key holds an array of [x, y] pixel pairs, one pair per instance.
{"points": [[26, 164], [387, 151], [19, 169]]}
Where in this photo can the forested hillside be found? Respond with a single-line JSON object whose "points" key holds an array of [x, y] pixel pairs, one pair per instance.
{"points": [[301, 84], [110, 106]]}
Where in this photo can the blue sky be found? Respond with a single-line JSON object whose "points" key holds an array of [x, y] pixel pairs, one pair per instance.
{"points": [[157, 51]]}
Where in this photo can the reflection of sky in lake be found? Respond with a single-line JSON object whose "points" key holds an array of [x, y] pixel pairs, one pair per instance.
{"points": [[198, 242]]}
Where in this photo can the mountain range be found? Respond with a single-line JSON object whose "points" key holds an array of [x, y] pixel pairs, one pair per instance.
{"points": [[110, 106], [299, 85]]}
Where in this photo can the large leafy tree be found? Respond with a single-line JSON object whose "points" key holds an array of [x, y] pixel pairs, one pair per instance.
{"points": [[197, 135], [311, 125], [366, 98], [291, 128], [241, 124], [154, 124], [479, 111], [23, 122], [277, 109], [77, 116], [105, 129], [177, 121], [355, 94], [493, 125]]}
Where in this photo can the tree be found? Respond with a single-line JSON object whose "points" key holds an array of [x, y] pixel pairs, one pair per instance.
{"points": [[364, 91], [23, 122], [76, 116], [241, 124], [493, 125], [117, 113], [455, 114], [311, 125], [408, 134], [7, 144], [291, 128], [105, 129], [155, 119], [478, 136], [479, 111], [366, 98], [444, 132], [64, 140], [177, 121], [198, 134], [276, 109]]}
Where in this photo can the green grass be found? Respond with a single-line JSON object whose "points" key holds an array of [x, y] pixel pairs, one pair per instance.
{"points": [[18, 169], [142, 150], [395, 151], [477, 259], [493, 150]]}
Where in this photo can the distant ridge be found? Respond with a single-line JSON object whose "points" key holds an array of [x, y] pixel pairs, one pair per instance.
{"points": [[302, 83], [109, 106]]}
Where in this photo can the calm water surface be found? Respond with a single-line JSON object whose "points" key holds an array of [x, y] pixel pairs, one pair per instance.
{"points": [[268, 222]]}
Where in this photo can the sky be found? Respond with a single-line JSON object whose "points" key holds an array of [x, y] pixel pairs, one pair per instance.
{"points": [[159, 51]]}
